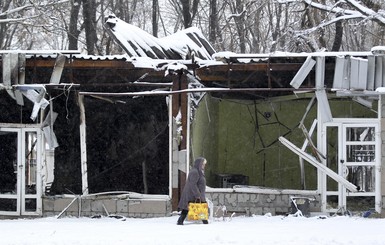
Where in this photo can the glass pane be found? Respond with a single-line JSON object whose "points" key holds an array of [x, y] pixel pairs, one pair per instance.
{"points": [[332, 156], [30, 204], [8, 204], [362, 177], [360, 153], [8, 162], [360, 134], [360, 203], [332, 202], [30, 162]]}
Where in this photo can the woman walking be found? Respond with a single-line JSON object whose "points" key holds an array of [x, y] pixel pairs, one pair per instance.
{"points": [[194, 190]]}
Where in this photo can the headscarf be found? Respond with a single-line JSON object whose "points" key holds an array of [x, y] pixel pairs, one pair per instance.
{"points": [[198, 164]]}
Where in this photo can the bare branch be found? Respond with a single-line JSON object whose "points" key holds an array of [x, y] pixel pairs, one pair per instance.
{"points": [[17, 20]]}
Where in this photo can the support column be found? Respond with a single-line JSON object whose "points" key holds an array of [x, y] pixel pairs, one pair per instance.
{"points": [[83, 145], [320, 82], [179, 161], [381, 110]]}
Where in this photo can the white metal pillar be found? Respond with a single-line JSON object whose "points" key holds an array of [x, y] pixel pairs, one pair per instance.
{"points": [[83, 145]]}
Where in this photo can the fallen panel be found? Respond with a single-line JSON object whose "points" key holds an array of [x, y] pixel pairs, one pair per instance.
{"points": [[351, 187], [326, 114], [378, 72], [58, 69], [341, 73], [37, 99], [303, 72], [371, 73], [358, 73]]}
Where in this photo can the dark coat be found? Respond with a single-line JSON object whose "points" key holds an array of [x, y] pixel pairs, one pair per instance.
{"points": [[195, 187]]}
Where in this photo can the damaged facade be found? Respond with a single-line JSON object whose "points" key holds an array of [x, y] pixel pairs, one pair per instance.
{"points": [[87, 135]]}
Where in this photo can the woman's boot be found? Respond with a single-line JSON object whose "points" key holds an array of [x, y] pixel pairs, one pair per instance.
{"points": [[182, 217]]}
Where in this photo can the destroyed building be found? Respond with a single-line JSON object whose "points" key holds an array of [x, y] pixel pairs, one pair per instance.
{"points": [[86, 135]]}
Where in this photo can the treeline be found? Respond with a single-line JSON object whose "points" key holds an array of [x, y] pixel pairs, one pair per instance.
{"points": [[242, 26]]}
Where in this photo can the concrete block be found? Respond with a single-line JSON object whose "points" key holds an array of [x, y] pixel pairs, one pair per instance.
{"points": [[72, 214], [61, 203], [256, 210], [254, 199], [48, 205], [49, 214], [209, 197], [282, 201], [268, 210], [147, 206], [243, 198], [110, 205], [264, 199], [168, 208], [122, 207], [96, 206], [134, 215], [231, 199], [87, 214], [281, 210], [285, 199], [270, 198], [86, 205], [221, 199]]}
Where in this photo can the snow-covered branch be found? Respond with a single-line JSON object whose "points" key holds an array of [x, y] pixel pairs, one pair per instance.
{"points": [[26, 7], [15, 10], [377, 16], [358, 11], [327, 23]]}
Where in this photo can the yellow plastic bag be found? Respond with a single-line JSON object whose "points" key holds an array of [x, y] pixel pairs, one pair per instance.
{"points": [[198, 211]]}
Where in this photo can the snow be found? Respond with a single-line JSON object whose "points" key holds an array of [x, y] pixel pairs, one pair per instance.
{"points": [[238, 230]]}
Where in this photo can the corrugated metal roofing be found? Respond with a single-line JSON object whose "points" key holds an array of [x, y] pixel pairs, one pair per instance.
{"points": [[179, 46]]}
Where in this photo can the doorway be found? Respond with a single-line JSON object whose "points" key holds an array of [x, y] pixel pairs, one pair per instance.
{"points": [[20, 164], [353, 151]]}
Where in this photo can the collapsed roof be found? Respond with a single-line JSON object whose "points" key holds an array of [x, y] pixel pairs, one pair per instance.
{"points": [[138, 43]]}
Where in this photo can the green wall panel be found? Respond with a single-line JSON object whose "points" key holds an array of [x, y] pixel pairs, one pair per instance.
{"points": [[241, 137]]}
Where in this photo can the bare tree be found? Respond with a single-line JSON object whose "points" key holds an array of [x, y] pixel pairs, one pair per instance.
{"points": [[336, 25], [89, 18], [189, 11], [73, 30], [155, 17], [25, 25]]}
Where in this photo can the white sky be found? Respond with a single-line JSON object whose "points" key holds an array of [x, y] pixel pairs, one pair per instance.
{"points": [[240, 230]]}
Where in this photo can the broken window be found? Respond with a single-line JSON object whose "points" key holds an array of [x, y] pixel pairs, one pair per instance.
{"points": [[127, 145]]}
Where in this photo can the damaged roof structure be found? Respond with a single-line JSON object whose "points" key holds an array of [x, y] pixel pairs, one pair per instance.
{"points": [[117, 134]]}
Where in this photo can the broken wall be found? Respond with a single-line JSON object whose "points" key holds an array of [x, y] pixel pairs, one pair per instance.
{"points": [[124, 139], [241, 137], [127, 144]]}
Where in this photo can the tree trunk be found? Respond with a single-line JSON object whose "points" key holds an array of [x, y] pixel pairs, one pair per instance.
{"points": [[239, 12], [189, 12], [213, 21], [73, 32], [186, 13], [155, 17], [338, 36], [89, 16], [4, 26]]}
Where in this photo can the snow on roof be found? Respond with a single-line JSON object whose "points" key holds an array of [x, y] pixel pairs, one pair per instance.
{"points": [[77, 56], [229, 55], [138, 43]]}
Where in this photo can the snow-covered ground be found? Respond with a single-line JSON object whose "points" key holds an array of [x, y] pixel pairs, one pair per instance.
{"points": [[240, 230]]}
